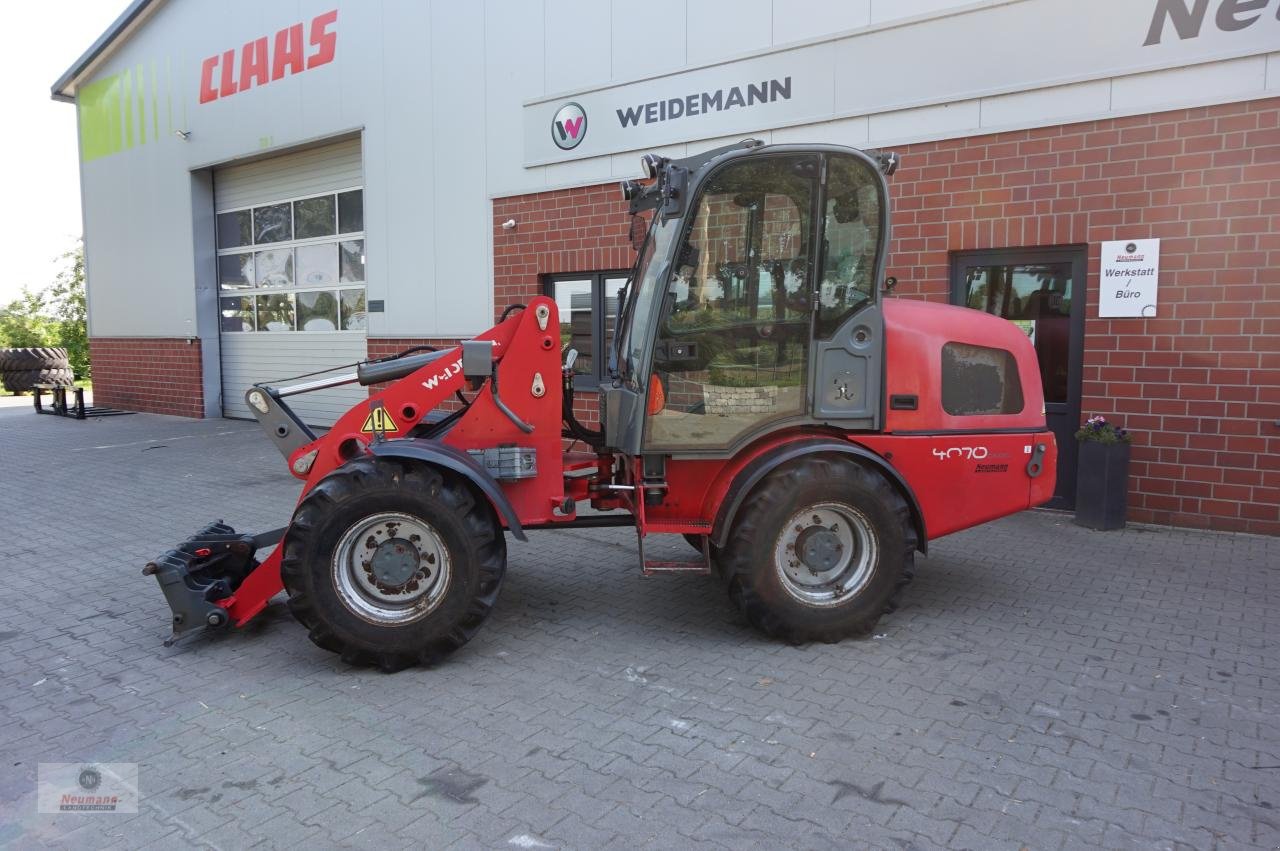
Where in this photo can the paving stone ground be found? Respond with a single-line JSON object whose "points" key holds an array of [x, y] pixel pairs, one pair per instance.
{"points": [[1041, 686]]}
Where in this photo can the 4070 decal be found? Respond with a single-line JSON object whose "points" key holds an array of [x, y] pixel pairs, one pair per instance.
{"points": [[969, 453]]}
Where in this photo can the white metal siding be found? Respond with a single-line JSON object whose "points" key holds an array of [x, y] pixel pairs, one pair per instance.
{"points": [[308, 172], [249, 358]]}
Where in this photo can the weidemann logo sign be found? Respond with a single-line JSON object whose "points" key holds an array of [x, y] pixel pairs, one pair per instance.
{"points": [[701, 103]]}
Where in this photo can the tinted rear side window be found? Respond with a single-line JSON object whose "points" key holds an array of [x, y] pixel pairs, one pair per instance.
{"points": [[979, 380]]}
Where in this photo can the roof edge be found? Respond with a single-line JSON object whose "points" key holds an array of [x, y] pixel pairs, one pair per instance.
{"points": [[136, 10]]}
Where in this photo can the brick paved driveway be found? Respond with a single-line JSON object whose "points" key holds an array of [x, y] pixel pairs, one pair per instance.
{"points": [[1041, 686]]}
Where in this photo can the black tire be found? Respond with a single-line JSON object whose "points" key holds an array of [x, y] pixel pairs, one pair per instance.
{"points": [[43, 357], [466, 531], [881, 545], [22, 380]]}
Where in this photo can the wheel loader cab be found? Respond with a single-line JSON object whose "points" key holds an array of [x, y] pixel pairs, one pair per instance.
{"points": [[753, 304]]}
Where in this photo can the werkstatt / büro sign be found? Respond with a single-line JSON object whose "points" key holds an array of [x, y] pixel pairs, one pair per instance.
{"points": [[1130, 278]]}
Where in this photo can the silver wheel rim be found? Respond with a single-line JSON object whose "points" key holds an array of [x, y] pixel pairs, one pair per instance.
{"points": [[391, 568], [826, 553]]}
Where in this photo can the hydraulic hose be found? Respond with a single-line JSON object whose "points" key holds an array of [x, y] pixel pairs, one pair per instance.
{"points": [[574, 429]]}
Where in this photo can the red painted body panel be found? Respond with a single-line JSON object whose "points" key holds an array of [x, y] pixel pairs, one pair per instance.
{"points": [[915, 332], [521, 349], [959, 479]]}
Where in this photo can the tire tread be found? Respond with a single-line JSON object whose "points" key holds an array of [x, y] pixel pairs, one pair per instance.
{"points": [[740, 559]]}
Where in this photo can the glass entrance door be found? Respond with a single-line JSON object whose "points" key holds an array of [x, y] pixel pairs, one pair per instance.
{"points": [[1042, 292]]}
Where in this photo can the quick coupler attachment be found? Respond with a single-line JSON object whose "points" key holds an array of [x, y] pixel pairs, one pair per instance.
{"points": [[196, 574]]}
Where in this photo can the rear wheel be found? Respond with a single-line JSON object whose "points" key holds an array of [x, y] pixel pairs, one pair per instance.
{"points": [[818, 550], [392, 563]]}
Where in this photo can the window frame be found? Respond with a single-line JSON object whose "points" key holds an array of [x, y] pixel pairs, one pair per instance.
{"points": [[252, 248], [600, 357]]}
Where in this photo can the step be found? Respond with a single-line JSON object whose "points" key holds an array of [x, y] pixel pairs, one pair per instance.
{"points": [[697, 568]]}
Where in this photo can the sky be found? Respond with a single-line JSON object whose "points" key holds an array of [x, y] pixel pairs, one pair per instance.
{"points": [[40, 213]]}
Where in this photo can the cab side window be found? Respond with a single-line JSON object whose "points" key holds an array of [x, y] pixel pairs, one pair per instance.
{"points": [[851, 240]]}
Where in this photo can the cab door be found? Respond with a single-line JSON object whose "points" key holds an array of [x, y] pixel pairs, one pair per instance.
{"points": [[848, 326], [732, 351]]}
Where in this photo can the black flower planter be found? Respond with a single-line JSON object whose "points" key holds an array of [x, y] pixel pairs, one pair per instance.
{"points": [[1102, 485]]}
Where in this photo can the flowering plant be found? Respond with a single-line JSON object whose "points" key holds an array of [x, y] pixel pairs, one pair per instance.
{"points": [[1098, 430]]}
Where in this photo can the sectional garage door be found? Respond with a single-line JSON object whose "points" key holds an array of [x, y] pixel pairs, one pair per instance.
{"points": [[291, 274]]}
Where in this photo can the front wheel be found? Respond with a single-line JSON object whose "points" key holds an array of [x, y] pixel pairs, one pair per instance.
{"points": [[392, 563], [818, 550]]}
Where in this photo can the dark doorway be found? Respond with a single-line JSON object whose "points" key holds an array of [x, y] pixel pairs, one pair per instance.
{"points": [[1042, 291]]}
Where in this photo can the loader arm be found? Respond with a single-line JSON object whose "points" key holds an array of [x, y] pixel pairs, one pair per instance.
{"points": [[514, 369]]}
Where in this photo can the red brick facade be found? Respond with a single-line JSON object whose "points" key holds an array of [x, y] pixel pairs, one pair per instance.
{"points": [[1200, 384], [156, 375]]}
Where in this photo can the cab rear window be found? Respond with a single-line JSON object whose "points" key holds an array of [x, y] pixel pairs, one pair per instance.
{"points": [[979, 380]]}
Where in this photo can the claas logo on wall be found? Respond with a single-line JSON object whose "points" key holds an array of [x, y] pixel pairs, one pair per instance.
{"points": [[264, 60]]}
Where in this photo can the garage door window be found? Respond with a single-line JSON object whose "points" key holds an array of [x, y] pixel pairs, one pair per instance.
{"points": [[293, 266]]}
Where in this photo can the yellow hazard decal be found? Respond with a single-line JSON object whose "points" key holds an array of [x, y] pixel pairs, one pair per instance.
{"points": [[379, 420]]}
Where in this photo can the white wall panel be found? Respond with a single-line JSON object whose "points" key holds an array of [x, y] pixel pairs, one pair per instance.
{"points": [[1273, 72], [1055, 104], [891, 10], [846, 131], [794, 20], [718, 29], [401, 147], [579, 172], [577, 42], [648, 37], [460, 269], [925, 122], [513, 73], [1195, 84]]}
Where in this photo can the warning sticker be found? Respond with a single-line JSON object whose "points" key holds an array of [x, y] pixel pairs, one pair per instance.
{"points": [[379, 420]]}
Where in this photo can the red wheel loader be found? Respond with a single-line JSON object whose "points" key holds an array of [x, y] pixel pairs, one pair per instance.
{"points": [[764, 399]]}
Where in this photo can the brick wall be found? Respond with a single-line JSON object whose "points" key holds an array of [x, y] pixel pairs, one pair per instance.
{"points": [[1200, 383], [157, 375], [570, 230]]}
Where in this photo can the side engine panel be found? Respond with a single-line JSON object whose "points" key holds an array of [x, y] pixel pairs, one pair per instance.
{"points": [[950, 369]]}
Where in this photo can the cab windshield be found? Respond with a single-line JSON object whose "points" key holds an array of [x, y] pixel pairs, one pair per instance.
{"points": [[640, 311]]}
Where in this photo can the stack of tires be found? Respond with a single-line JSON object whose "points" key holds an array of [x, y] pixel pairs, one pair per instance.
{"points": [[23, 369]]}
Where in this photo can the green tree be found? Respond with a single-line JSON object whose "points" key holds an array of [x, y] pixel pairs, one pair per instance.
{"points": [[52, 317], [67, 303], [25, 321]]}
